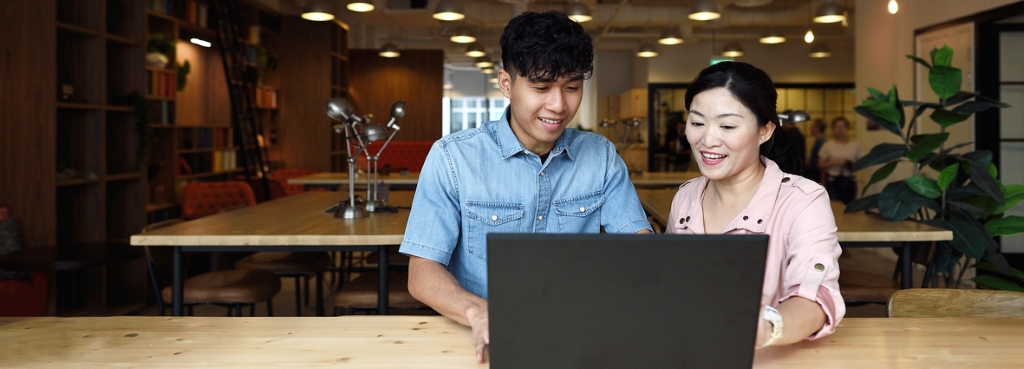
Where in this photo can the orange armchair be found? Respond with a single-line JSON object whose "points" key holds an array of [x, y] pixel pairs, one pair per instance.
{"points": [[200, 199]]}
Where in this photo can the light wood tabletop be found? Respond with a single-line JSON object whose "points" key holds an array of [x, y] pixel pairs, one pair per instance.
{"points": [[662, 179], [437, 342], [852, 227], [333, 179]]}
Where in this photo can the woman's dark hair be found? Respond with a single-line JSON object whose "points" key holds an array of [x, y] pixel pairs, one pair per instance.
{"points": [[755, 90], [840, 119], [544, 47], [820, 125]]}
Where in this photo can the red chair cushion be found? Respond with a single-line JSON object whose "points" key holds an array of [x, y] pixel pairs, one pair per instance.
{"points": [[24, 297], [200, 199], [400, 154]]}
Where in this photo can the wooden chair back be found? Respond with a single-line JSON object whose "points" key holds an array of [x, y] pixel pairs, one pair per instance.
{"points": [[948, 302]]}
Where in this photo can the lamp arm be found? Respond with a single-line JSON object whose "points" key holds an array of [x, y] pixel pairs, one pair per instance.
{"points": [[386, 142]]}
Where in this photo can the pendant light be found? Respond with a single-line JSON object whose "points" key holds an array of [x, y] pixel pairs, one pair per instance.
{"points": [[820, 50], [732, 50], [704, 10], [671, 36], [578, 12], [893, 7], [488, 70], [462, 35], [647, 50], [360, 6], [475, 50], [809, 36], [830, 12], [483, 62], [449, 10], [772, 35], [389, 50], [316, 11]]}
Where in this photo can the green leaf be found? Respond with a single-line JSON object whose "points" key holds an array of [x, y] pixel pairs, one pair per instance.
{"points": [[959, 98], [862, 204], [924, 144], [969, 236], [972, 107], [942, 57], [883, 109], [894, 99], [920, 104], [871, 115], [965, 191], [978, 171], [992, 170], [898, 202], [919, 60], [1012, 195], [946, 257], [924, 186], [877, 95], [882, 153], [973, 209], [945, 81], [1005, 226], [986, 265], [946, 118], [996, 283], [947, 176], [879, 175]]}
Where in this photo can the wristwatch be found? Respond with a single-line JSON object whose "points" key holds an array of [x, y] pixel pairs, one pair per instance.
{"points": [[772, 316]]}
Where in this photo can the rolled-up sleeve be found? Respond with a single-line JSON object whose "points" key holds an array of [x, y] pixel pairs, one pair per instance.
{"points": [[812, 265]]}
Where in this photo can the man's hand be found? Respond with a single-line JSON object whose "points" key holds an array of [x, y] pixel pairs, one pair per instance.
{"points": [[479, 322]]}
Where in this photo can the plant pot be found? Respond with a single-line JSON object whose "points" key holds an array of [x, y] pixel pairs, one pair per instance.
{"points": [[156, 60]]}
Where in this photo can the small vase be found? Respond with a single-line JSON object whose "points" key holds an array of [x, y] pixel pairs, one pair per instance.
{"points": [[156, 60]]}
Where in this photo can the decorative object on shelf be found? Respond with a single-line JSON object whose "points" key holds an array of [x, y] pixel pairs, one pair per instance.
{"points": [[339, 109], [374, 132], [159, 48], [966, 196], [183, 71]]}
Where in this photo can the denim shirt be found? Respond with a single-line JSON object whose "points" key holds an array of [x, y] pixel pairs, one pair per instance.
{"points": [[483, 180]]}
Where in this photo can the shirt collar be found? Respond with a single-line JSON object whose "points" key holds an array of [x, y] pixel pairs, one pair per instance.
{"points": [[754, 217], [509, 145]]}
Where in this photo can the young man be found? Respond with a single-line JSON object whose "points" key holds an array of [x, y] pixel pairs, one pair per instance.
{"points": [[523, 173]]}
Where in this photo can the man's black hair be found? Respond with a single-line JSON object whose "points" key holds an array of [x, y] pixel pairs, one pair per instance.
{"points": [[545, 47]]}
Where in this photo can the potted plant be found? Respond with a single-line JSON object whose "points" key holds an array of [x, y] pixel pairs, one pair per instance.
{"points": [[159, 50], [960, 192]]}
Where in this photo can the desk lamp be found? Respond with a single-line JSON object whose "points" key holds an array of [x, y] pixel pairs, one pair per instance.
{"points": [[795, 116], [374, 132], [340, 110]]}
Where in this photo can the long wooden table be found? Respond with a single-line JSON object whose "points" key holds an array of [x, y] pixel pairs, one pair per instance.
{"points": [[854, 229], [334, 180], [437, 342], [293, 223]]}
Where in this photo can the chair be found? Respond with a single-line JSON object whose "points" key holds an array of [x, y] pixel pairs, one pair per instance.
{"points": [[298, 265], [362, 292], [282, 175], [200, 199], [860, 287], [960, 303], [233, 288]]}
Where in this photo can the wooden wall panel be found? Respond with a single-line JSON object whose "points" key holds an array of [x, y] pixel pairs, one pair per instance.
{"points": [[28, 96], [417, 76], [205, 100], [304, 66]]}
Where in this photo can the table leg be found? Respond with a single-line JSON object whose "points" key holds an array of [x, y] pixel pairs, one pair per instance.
{"points": [[907, 279], [319, 294], [177, 290], [382, 287]]}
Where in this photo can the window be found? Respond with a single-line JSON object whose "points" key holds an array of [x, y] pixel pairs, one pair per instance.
{"points": [[469, 112]]}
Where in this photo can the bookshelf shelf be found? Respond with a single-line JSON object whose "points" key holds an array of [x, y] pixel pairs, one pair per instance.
{"points": [[77, 182], [123, 177], [117, 39], [120, 108], [80, 106], [81, 31], [194, 151], [210, 174]]}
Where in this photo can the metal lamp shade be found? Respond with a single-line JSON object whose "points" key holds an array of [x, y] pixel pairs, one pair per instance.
{"points": [[647, 50], [820, 50], [830, 12], [671, 36], [483, 62], [704, 10], [475, 50], [732, 50], [360, 6], [578, 12], [462, 35], [772, 36], [316, 11], [449, 10], [389, 50]]}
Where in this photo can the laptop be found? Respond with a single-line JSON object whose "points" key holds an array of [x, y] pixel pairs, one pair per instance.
{"points": [[624, 301]]}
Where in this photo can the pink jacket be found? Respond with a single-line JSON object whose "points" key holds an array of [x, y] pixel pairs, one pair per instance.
{"points": [[803, 251]]}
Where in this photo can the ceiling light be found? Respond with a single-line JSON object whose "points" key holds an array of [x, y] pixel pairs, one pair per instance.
{"points": [[449, 10], [809, 36], [732, 50], [493, 80], [389, 50], [483, 62], [578, 12], [772, 36], [830, 12], [316, 11], [200, 42], [647, 50], [448, 86], [893, 7], [487, 70], [360, 6], [751, 3], [463, 35], [475, 50], [704, 10], [671, 36], [820, 50]]}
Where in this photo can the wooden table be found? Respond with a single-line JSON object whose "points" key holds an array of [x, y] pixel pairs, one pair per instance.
{"points": [[292, 223], [859, 229], [334, 180], [662, 179], [437, 342]]}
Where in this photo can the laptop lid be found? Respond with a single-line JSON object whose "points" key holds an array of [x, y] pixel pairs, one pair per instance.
{"points": [[624, 301]]}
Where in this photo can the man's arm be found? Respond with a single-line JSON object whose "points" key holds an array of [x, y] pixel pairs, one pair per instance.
{"points": [[432, 284]]}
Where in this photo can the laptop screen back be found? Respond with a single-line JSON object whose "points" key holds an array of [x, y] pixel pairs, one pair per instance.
{"points": [[624, 301]]}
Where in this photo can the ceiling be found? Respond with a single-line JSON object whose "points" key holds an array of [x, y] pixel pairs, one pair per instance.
{"points": [[617, 24]]}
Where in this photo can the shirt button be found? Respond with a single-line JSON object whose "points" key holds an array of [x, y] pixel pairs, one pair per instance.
{"points": [[682, 220], [744, 217], [786, 179], [540, 217], [583, 209], [819, 267], [687, 218], [759, 221], [541, 174], [494, 217]]}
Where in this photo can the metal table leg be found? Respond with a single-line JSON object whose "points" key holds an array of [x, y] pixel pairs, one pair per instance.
{"points": [[382, 287], [178, 290], [907, 279]]}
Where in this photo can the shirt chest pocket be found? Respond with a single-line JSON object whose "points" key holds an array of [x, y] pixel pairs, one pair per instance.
{"points": [[580, 214], [490, 217]]}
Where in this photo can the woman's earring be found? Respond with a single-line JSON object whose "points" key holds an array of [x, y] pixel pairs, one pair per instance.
{"points": [[762, 138]]}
